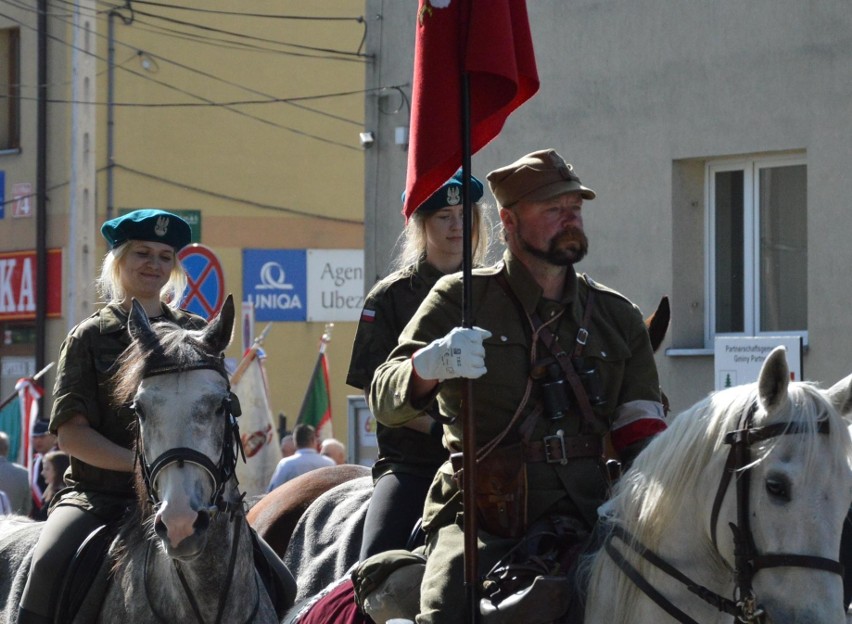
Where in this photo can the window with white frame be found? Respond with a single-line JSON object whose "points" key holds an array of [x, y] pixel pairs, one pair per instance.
{"points": [[757, 280], [10, 104]]}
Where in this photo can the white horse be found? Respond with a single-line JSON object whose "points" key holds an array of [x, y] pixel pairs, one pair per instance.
{"points": [[187, 555], [734, 512]]}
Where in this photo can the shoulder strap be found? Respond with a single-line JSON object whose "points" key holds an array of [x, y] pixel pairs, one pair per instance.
{"points": [[546, 336]]}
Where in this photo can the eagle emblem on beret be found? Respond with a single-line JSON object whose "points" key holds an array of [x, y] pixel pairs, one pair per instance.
{"points": [[161, 226], [453, 195]]}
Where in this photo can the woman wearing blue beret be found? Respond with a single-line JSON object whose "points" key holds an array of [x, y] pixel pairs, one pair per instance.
{"points": [[141, 264], [431, 247]]}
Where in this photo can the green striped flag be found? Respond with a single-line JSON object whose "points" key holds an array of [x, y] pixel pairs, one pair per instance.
{"points": [[316, 408]]}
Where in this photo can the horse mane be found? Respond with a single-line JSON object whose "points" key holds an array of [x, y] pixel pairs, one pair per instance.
{"points": [[663, 477]]}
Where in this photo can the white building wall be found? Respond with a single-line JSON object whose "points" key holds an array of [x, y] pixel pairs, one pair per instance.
{"points": [[638, 95]]}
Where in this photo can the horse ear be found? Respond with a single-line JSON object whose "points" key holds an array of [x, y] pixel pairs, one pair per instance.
{"points": [[774, 379], [840, 395], [217, 334], [137, 322], [658, 323]]}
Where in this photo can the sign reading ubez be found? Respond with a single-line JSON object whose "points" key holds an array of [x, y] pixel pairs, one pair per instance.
{"points": [[738, 359], [335, 284], [18, 284]]}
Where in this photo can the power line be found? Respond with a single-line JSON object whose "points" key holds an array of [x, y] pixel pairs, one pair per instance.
{"points": [[219, 79], [359, 18], [270, 100], [188, 93], [248, 202], [249, 37], [180, 34], [239, 35]]}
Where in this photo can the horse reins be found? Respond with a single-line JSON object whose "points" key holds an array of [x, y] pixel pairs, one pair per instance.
{"points": [[747, 561], [222, 598]]}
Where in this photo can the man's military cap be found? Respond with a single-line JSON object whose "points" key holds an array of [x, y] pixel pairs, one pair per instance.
{"points": [[157, 226], [537, 176], [450, 194]]}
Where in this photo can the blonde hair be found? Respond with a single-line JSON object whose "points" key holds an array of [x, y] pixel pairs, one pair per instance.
{"points": [[109, 282], [412, 240]]}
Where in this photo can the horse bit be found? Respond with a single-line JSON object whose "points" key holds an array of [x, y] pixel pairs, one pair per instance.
{"points": [[747, 561], [220, 473]]}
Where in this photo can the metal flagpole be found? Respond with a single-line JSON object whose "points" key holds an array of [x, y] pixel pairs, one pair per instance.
{"points": [[471, 555]]}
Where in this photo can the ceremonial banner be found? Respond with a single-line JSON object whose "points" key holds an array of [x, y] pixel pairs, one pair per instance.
{"points": [[257, 430], [491, 42]]}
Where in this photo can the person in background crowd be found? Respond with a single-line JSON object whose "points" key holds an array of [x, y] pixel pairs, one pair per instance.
{"points": [[333, 449], [409, 455], [288, 445], [5, 505], [14, 480], [305, 459], [43, 441], [542, 431], [53, 467]]}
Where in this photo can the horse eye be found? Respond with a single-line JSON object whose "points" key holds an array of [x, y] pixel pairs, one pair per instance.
{"points": [[778, 487], [137, 409]]}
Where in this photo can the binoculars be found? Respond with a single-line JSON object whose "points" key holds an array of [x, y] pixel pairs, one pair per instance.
{"points": [[558, 397]]}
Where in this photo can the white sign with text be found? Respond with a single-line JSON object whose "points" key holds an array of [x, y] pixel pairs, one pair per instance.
{"points": [[738, 359], [335, 284]]}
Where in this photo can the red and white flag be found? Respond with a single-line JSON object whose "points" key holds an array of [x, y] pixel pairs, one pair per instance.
{"points": [[29, 393], [491, 42], [257, 431]]}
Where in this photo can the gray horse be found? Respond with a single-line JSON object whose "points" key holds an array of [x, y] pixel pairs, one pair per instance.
{"points": [[186, 554]]}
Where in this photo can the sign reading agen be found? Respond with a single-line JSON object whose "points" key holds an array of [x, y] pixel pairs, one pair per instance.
{"points": [[304, 284]]}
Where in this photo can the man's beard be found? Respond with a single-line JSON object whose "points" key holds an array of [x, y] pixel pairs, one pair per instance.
{"points": [[559, 252]]}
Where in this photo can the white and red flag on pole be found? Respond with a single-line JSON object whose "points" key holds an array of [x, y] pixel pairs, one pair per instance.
{"points": [[257, 431], [490, 42], [29, 393]]}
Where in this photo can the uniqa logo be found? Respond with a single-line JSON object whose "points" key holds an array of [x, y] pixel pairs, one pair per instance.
{"points": [[272, 277]]}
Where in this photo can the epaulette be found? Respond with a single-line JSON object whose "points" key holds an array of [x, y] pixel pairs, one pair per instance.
{"points": [[486, 271], [604, 289]]}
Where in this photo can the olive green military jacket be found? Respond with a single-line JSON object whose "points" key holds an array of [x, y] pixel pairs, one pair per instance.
{"points": [[388, 307], [84, 385], [618, 346]]}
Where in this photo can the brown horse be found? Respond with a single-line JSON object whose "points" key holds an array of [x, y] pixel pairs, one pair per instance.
{"points": [[275, 516]]}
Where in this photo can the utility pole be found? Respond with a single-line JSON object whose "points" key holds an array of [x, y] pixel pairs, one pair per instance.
{"points": [[82, 202]]}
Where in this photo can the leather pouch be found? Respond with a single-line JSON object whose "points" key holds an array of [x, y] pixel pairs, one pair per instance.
{"points": [[501, 490]]}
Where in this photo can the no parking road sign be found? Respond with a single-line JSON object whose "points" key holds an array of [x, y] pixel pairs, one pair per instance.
{"points": [[206, 292]]}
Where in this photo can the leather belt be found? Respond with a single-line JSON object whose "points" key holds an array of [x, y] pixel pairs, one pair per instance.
{"points": [[559, 448]]}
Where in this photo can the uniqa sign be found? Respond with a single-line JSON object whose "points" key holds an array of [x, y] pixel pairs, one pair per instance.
{"points": [[304, 284], [18, 285]]}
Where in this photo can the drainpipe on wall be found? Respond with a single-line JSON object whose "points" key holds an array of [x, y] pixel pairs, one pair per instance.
{"points": [[41, 191]]}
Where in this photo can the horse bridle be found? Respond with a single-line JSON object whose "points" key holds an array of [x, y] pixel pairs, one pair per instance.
{"points": [[747, 561], [220, 473], [232, 448]]}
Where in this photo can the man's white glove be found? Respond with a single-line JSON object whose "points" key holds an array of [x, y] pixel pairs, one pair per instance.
{"points": [[458, 354]]}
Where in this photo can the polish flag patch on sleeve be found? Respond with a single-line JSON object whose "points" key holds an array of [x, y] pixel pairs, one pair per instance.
{"points": [[368, 316]]}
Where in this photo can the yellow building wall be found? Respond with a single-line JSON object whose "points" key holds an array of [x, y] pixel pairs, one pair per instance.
{"points": [[264, 175]]}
